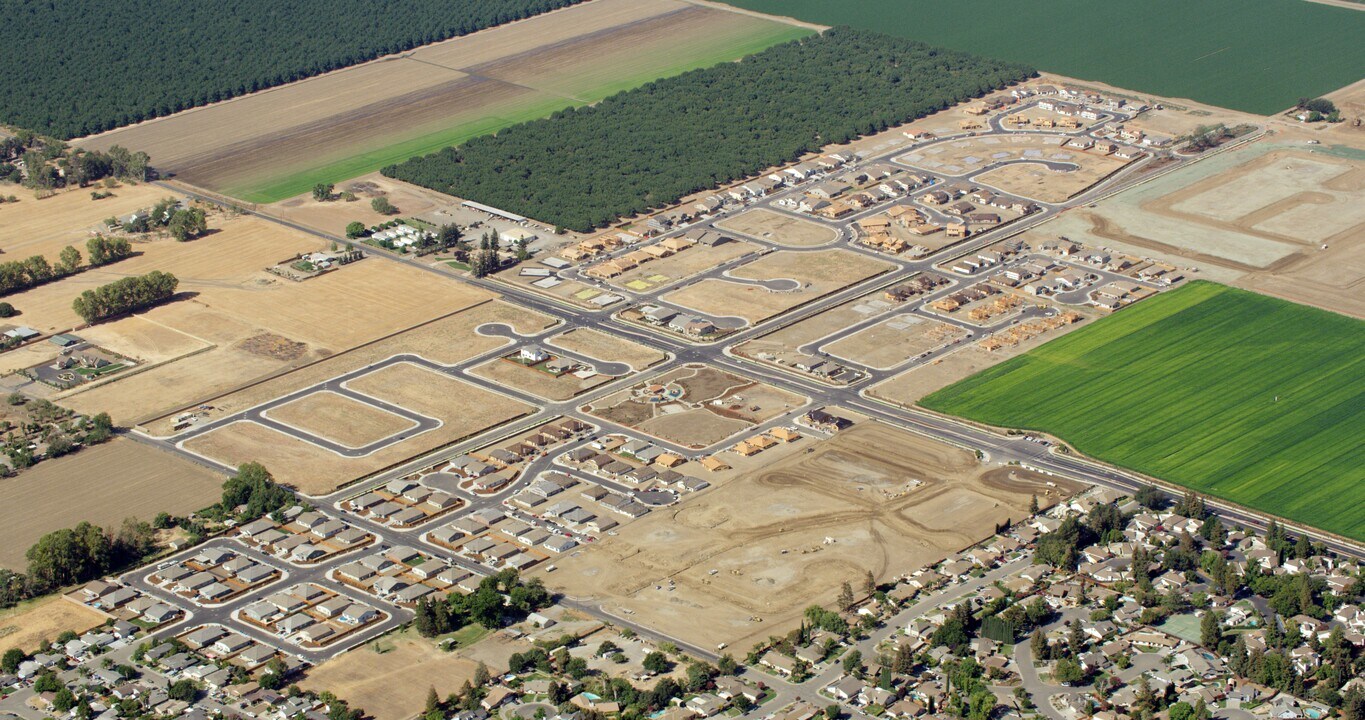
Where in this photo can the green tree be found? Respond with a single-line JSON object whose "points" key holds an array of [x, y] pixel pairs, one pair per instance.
{"points": [[69, 260], [727, 665], [853, 662], [1067, 671], [846, 601], [355, 230], [187, 224], [656, 662], [184, 690], [1210, 630], [382, 206], [11, 660], [254, 490], [64, 700], [322, 192]]}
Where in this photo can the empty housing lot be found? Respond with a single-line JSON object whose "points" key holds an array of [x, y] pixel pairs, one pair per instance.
{"points": [[769, 543], [274, 144], [803, 277]]}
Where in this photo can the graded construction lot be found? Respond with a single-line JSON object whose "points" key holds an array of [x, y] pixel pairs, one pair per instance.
{"points": [[26, 625], [463, 409], [340, 419], [742, 561], [1274, 217], [390, 677], [695, 405], [598, 345], [1029, 178], [894, 341], [103, 484], [779, 228], [1245, 397], [812, 274], [1251, 58], [1039, 182], [276, 144]]}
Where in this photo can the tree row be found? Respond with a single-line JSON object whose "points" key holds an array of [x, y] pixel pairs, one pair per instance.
{"points": [[646, 148]]}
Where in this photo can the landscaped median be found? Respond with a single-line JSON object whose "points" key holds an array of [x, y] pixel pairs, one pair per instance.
{"points": [[1242, 396]]}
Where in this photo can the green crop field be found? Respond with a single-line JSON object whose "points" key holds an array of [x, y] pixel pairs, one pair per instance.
{"points": [[1259, 57], [1246, 397]]}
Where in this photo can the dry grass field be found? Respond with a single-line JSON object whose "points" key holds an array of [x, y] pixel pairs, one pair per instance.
{"points": [[393, 684], [340, 419], [275, 144], [779, 228], [449, 339], [44, 227], [104, 484], [742, 561], [700, 405], [894, 340], [464, 409], [539, 383], [818, 274], [232, 322], [27, 625], [601, 346]]}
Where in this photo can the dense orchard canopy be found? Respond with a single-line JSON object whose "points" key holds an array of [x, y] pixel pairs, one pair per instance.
{"points": [[648, 147], [76, 68]]}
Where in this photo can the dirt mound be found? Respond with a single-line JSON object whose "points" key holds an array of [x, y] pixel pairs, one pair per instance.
{"points": [[273, 346]]}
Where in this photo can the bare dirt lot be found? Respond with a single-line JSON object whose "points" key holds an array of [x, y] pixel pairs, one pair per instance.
{"points": [[268, 145], [894, 341], [816, 274], [464, 410], [102, 484], [26, 625], [340, 419], [695, 406], [601, 346], [393, 684], [742, 561], [779, 228]]}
